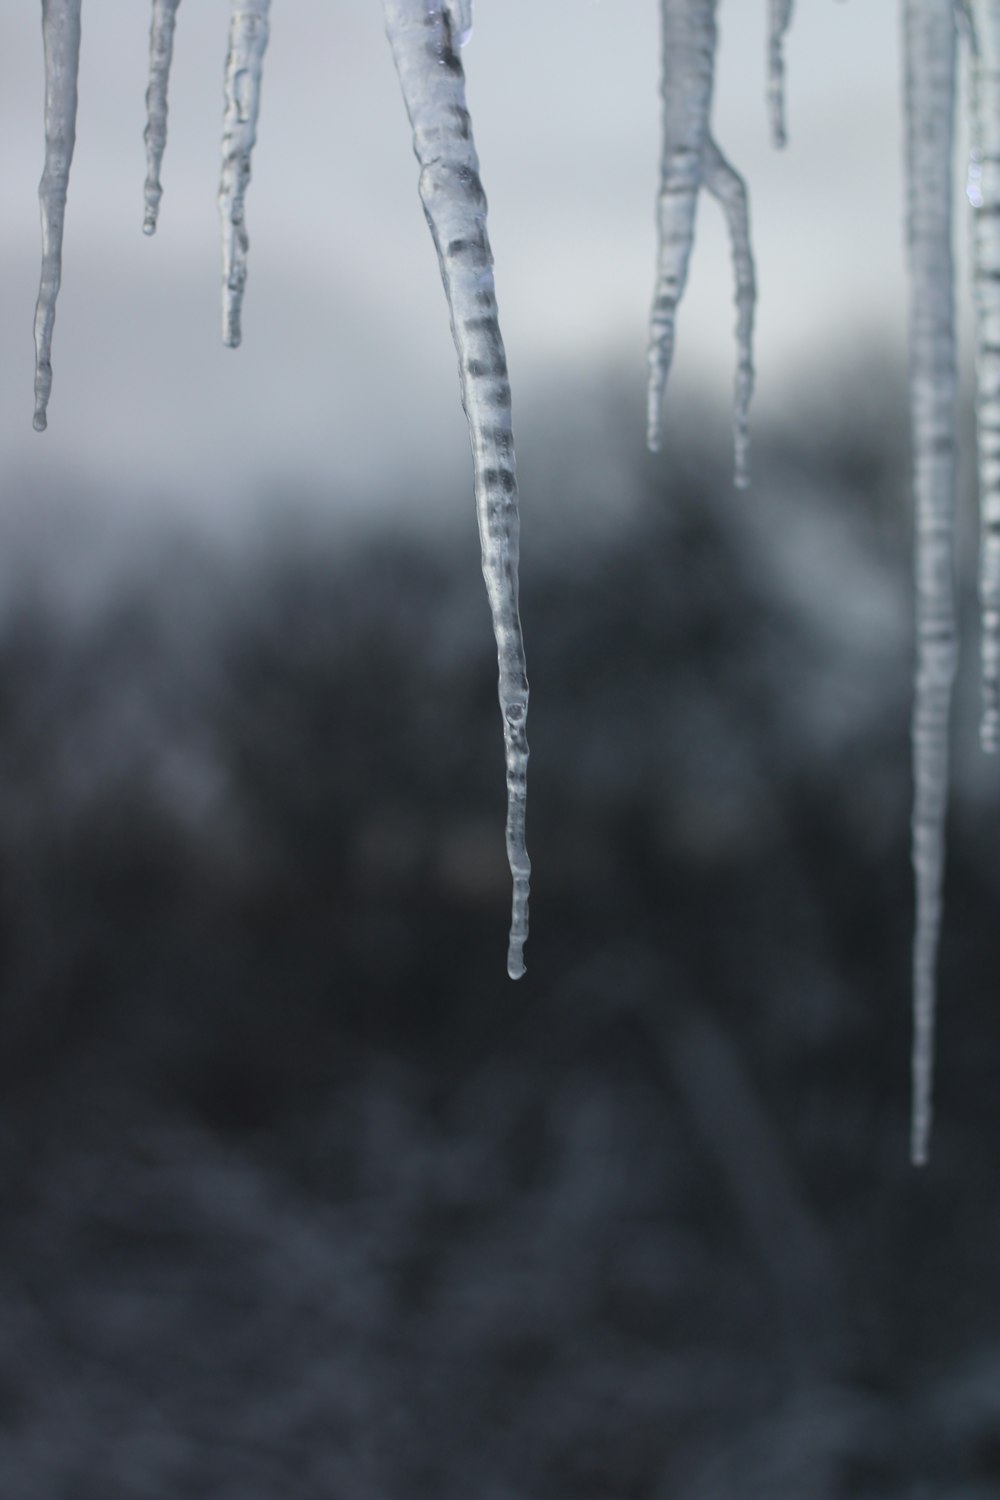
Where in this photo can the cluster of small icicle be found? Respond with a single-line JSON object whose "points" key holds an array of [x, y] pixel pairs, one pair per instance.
{"points": [[425, 37]]}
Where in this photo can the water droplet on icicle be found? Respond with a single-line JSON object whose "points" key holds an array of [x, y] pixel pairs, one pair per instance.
{"points": [[430, 72], [61, 43], [248, 33], [161, 47]]}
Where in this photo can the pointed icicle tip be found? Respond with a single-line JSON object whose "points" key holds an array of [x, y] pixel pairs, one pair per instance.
{"points": [[248, 34], [779, 19], [421, 36], [929, 36], [61, 43], [161, 48]]}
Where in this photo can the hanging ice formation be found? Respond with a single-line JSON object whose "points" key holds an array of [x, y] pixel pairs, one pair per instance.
{"points": [[691, 160], [424, 36], [161, 48], [61, 43], [929, 42], [984, 196], [779, 18], [248, 33]]}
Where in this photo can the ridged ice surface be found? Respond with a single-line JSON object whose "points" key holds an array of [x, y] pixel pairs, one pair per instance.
{"points": [[778, 20], [424, 47], [248, 32], [691, 160], [929, 62], [61, 42], [984, 194], [161, 49]]}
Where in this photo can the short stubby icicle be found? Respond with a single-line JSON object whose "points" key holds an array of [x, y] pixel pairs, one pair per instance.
{"points": [[61, 42], [161, 50], [424, 40], [691, 160], [248, 33]]}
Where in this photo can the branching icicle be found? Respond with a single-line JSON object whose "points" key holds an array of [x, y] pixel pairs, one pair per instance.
{"points": [[430, 72], [248, 32], [61, 42], [691, 160], [984, 195], [929, 63], [161, 48]]}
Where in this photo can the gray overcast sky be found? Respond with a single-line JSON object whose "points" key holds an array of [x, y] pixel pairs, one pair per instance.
{"points": [[347, 366]]}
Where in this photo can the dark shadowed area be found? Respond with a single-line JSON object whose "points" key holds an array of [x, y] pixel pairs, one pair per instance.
{"points": [[302, 1197]]}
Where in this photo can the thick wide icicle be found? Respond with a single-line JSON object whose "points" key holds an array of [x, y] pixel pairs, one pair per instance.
{"points": [[691, 160], [984, 194], [61, 42], [248, 32], [161, 49], [778, 20], [929, 85], [430, 72]]}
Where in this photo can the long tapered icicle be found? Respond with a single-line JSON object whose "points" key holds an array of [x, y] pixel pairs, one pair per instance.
{"points": [[691, 160], [929, 84], [161, 49], [778, 21], [61, 42], [984, 194], [430, 72], [248, 32]]}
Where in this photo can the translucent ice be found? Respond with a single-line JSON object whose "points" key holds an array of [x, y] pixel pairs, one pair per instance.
{"points": [[929, 61], [248, 32], [61, 42], [779, 18], [984, 195], [161, 47], [424, 45], [691, 160]]}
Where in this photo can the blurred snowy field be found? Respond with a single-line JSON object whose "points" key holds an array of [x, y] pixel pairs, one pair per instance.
{"points": [[301, 1196]]}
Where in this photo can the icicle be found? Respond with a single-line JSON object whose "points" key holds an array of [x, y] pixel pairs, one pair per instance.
{"points": [[161, 47], [779, 18], [430, 72], [460, 17], [929, 54], [691, 160], [984, 195], [248, 32], [728, 188], [61, 41]]}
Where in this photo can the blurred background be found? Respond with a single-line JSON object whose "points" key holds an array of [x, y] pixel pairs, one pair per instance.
{"points": [[301, 1196]]}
